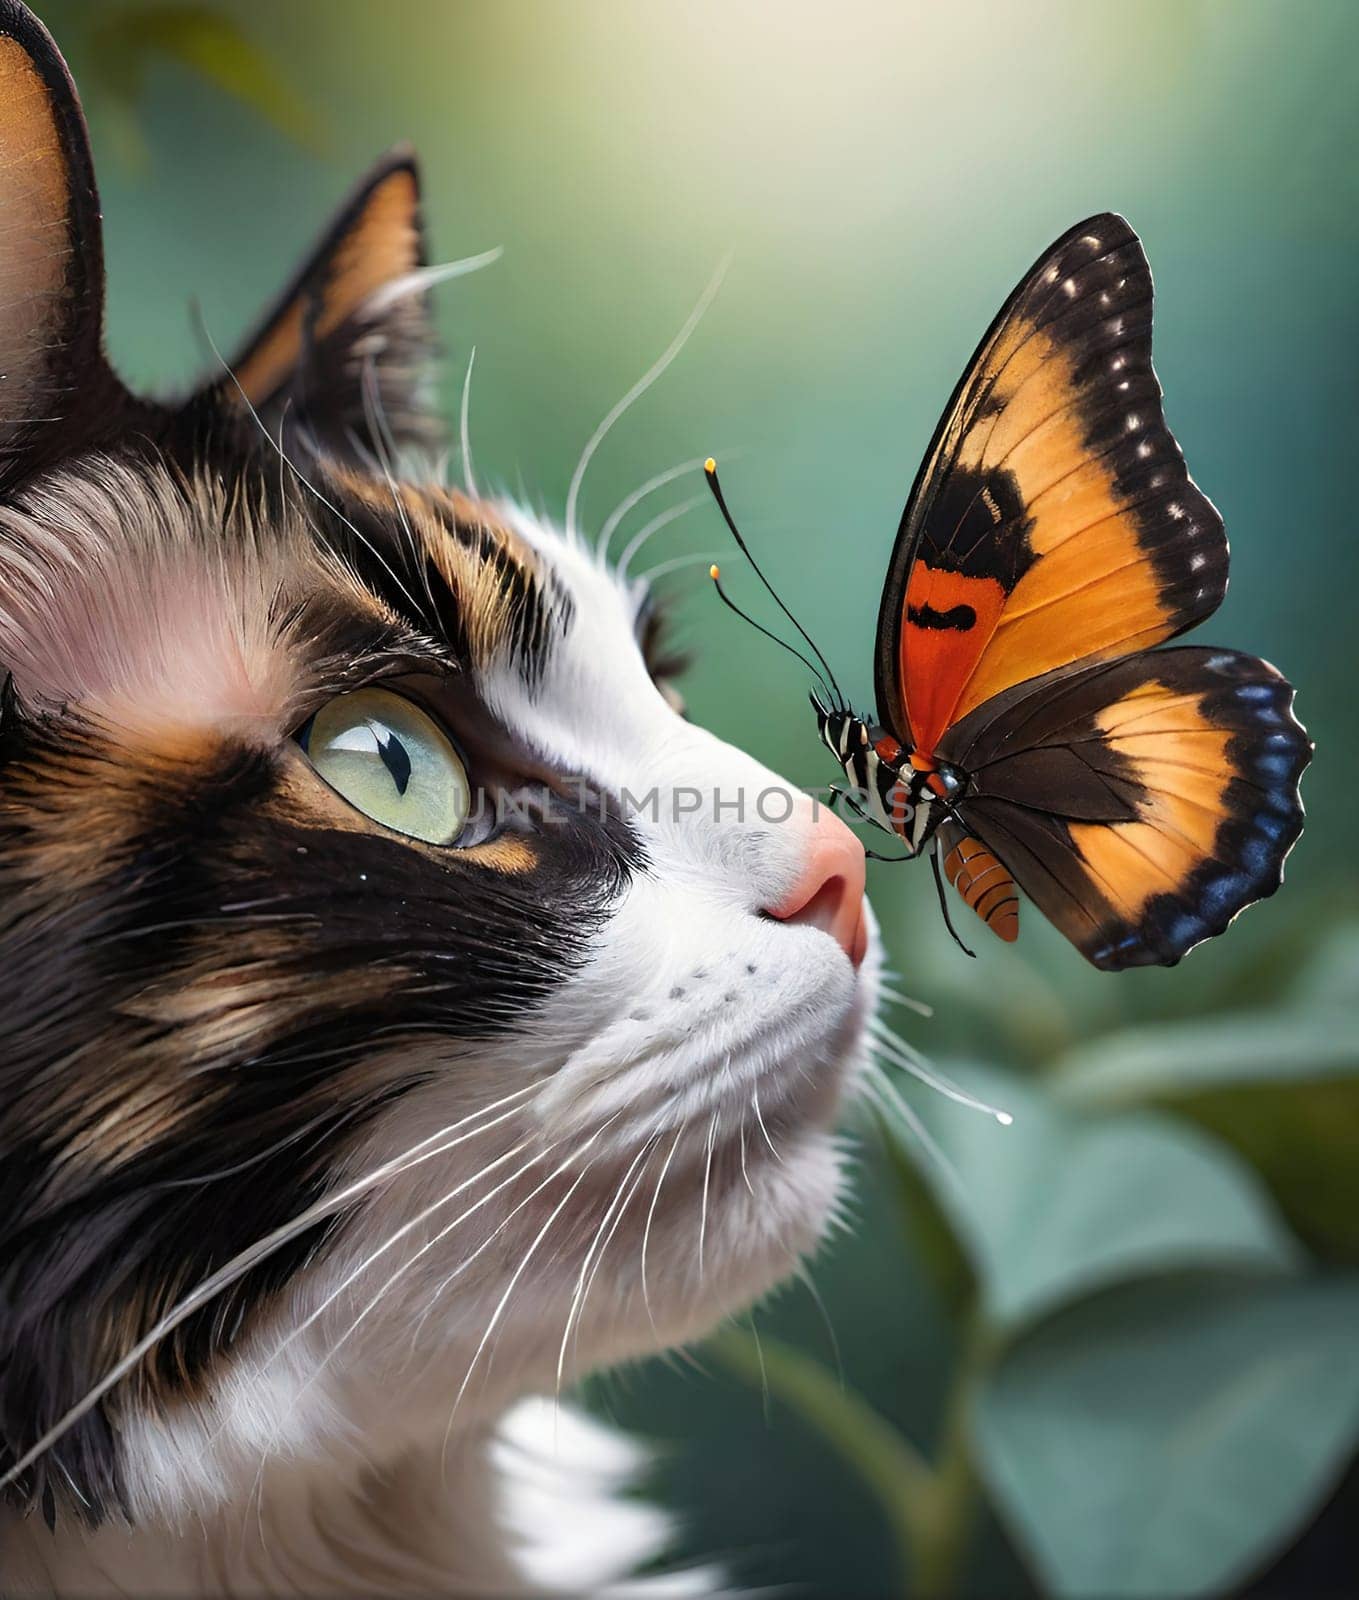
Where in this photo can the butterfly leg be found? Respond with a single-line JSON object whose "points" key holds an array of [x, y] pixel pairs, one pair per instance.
{"points": [[943, 901], [837, 793]]}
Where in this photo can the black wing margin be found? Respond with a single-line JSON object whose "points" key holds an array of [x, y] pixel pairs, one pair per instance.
{"points": [[1141, 803]]}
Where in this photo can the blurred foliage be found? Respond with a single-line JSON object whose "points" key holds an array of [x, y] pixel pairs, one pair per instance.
{"points": [[125, 42], [1108, 1350], [1157, 1378]]}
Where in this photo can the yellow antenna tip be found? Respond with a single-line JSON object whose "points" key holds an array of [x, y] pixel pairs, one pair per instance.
{"points": [[714, 572], [710, 465]]}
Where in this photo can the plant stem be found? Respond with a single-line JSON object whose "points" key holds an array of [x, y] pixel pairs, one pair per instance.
{"points": [[941, 1542], [930, 1508], [891, 1466]]}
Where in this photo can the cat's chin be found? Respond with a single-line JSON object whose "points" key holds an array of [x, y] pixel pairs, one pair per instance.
{"points": [[629, 1202], [748, 1184]]}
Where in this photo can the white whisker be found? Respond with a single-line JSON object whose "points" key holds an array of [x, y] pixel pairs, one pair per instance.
{"points": [[651, 1212], [654, 527], [424, 279], [700, 557], [213, 1285], [805, 1278], [901, 1055], [577, 1296], [400, 1233], [707, 1176], [306, 482], [615, 517], [377, 1297], [385, 449], [764, 1376], [518, 1273], [891, 1105], [755, 1101], [920, 1008], [649, 1150], [635, 393], [469, 478]]}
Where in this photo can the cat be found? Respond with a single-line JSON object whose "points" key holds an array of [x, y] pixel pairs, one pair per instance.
{"points": [[387, 1039]]}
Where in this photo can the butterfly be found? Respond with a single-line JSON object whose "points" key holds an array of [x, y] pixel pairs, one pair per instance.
{"points": [[1029, 736]]}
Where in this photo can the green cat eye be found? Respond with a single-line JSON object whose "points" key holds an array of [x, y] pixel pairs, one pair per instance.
{"points": [[391, 761]]}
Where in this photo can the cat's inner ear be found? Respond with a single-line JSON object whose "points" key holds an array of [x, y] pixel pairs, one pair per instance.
{"points": [[345, 352], [55, 387]]}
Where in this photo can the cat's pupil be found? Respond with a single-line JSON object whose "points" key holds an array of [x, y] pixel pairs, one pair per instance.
{"points": [[395, 756], [393, 761]]}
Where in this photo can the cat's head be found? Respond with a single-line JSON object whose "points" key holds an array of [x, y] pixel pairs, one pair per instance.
{"points": [[401, 1004]]}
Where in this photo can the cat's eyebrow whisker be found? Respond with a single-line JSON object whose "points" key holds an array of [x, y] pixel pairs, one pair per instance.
{"points": [[215, 1283], [699, 558], [636, 392], [302, 478], [616, 516], [650, 1216], [654, 527], [469, 477], [423, 279], [385, 449]]}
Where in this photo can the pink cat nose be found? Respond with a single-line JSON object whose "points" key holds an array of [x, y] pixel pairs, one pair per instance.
{"points": [[829, 894]]}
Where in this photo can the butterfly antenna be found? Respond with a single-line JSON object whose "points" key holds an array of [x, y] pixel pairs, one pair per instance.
{"points": [[715, 573], [943, 902], [710, 472]]}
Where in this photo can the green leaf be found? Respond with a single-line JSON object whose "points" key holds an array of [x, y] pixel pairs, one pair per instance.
{"points": [[1281, 1088], [1331, 978], [926, 1225], [1168, 1439], [1059, 1204], [206, 43]]}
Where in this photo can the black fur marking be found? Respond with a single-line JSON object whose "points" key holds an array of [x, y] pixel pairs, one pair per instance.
{"points": [[460, 951], [140, 1149]]}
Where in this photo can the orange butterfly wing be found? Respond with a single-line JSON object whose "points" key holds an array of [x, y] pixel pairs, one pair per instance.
{"points": [[1053, 520], [1139, 803]]}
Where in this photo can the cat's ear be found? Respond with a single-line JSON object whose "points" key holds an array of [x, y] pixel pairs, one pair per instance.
{"points": [[346, 350], [56, 389]]}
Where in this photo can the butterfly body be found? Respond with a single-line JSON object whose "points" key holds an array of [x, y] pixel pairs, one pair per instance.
{"points": [[1028, 731], [895, 788]]}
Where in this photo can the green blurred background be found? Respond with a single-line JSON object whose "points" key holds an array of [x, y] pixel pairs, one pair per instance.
{"points": [[1114, 1352]]}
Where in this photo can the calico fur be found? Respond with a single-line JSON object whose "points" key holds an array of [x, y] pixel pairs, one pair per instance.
{"points": [[515, 1109]]}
